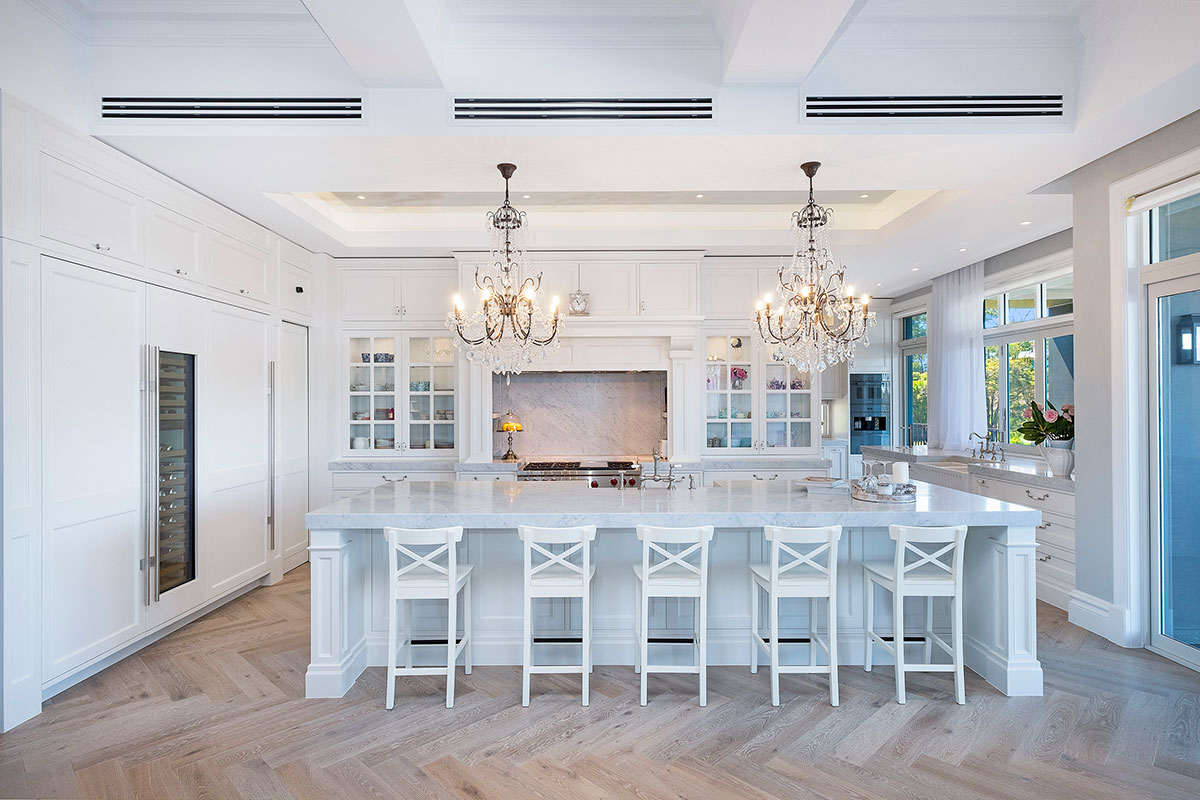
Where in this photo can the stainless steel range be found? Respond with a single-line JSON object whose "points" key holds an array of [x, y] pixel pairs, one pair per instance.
{"points": [[598, 473]]}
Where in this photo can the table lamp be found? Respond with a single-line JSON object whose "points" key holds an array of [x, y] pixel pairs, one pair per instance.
{"points": [[509, 423]]}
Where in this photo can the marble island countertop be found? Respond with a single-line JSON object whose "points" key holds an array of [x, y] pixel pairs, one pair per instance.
{"points": [[730, 504], [1022, 469]]}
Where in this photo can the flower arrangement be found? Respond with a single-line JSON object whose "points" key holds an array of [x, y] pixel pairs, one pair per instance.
{"points": [[1042, 423], [739, 375]]}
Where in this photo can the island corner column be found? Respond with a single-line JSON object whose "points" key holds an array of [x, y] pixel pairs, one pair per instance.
{"points": [[338, 586], [1000, 622]]}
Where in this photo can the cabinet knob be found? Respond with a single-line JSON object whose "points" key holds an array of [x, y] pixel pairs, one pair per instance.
{"points": [[403, 311], [180, 272], [102, 246], [243, 291], [397, 311]]}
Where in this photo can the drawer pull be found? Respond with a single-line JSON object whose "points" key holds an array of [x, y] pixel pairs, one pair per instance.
{"points": [[981, 481], [1043, 526], [1031, 496], [102, 247], [180, 272], [1043, 559], [760, 478], [395, 480]]}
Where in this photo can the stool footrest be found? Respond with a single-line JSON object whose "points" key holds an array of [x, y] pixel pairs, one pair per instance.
{"points": [[555, 669]]}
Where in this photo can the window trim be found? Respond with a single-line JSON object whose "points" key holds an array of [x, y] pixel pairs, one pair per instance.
{"points": [[1037, 331]]}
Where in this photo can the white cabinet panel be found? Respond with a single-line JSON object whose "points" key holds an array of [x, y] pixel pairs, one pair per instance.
{"points": [[370, 294], [81, 209], [92, 352], [668, 288], [295, 288], [174, 243], [427, 294], [233, 466], [835, 381], [238, 267], [559, 279], [291, 444], [612, 286], [727, 292]]}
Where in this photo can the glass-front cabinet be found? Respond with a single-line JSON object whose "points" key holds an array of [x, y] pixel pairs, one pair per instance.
{"points": [[755, 404], [401, 394]]}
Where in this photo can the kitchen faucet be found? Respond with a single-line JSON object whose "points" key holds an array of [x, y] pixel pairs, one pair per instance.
{"points": [[987, 447], [669, 479]]}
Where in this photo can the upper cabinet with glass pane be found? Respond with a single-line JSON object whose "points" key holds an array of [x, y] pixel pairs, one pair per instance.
{"points": [[401, 394], [754, 404]]}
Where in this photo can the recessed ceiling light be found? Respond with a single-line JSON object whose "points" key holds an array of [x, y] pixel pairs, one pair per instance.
{"points": [[879, 284], [863, 196], [962, 249], [1026, 222], [916, 269], [699, 196], [525, 196], [362, 197]]}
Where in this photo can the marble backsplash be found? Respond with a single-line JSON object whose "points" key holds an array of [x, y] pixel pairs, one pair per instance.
{"points": [[583, 413]]}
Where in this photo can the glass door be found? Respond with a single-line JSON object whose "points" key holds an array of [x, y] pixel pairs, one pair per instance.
{"points": [[788, 407], [430, 393], [372, 387], [1174, 319], [176, 562], [729, 393]]}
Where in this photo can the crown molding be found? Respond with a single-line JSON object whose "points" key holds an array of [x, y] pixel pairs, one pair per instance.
{"points": [[73, 16]]}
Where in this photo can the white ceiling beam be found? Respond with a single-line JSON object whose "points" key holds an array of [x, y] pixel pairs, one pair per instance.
{"points": [[379, 40], [780, 41]]}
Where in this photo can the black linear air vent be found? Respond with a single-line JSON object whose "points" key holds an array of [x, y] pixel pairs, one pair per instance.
{"points": [[231, 108], [933, 106], [480, 109]]}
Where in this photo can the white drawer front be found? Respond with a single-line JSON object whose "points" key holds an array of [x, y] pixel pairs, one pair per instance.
{"points": [[1028, 496], [500, 477], [369, 480], [1057, 530]]}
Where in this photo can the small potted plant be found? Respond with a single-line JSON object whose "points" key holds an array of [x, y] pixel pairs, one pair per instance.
{"points": [[1054, 428]]}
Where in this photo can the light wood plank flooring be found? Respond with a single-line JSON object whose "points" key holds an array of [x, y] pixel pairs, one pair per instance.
{"points": [[217, 710]]}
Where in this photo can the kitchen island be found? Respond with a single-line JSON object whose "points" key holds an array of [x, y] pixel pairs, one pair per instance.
{"points": [[349, 591]]}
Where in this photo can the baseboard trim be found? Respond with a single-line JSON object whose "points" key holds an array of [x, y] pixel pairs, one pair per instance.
{"points": [[1102, 618]]}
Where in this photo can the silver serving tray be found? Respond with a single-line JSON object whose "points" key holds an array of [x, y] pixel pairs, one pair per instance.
{"points": [[858, 493]]}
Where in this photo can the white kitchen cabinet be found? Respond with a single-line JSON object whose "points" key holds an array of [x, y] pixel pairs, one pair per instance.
{"points": [[727, 292], [401, 394], [1055, 535], [490, 477], [93, 584], [835, 381], [612, 287], [238, 267], [754, 404], [559, 279], [233, 466], [352, 482], [667, 288], [410, 295], [291, 445], [84, 210], [174, 243], [295, 287], [839, 457], [712, 476]]}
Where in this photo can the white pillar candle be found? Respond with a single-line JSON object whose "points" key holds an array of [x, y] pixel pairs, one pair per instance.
{"points": [[900, 471]]}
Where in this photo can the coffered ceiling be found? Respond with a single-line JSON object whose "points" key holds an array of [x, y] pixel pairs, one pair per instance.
{"points": [[941, 192]]}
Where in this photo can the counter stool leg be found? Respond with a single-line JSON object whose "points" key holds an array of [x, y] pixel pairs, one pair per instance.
{"points": [[870, 624], [832, 634], [928, 629], [960, 688], [526, 650], [408, 633], [585, 657], [643, 637], [703, 638], [774, 612], [391, 664], [467, 625], [898, 641], [753, 626], [637, 630], [591, 661], [451, 642], [812, 632]]}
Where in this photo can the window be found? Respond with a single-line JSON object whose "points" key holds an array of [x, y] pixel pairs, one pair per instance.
{"points": [[916, 397], [1175, 229], [915, 326], [1028, 353]]}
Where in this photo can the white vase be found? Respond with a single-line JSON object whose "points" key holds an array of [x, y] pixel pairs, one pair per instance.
{"points": [[1060, 455]]}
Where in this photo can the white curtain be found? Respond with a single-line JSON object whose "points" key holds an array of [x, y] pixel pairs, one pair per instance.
{"points": [[955, 331]]}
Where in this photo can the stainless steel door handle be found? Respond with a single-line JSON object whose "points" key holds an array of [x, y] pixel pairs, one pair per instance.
{"points": [[271, 456], [152, 387]]}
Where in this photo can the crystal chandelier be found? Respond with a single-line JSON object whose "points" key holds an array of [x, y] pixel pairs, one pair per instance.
{"points": [[508, 329], [817, 321]]}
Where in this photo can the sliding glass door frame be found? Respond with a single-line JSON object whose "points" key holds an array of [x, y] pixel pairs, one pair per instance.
{"points": [[1182, 277]]}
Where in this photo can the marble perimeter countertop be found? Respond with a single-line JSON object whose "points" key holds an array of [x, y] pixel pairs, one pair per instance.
{"points": [[729, 504], [1021, 469]]}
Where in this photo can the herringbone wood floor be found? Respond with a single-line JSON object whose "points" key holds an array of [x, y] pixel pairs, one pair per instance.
{"points": [[217, 710]]}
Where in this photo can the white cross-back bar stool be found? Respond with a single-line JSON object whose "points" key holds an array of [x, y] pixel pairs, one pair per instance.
{"points": [[928, 563], [423, 565], [674, 564], [566, 574], [803, 564]]}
